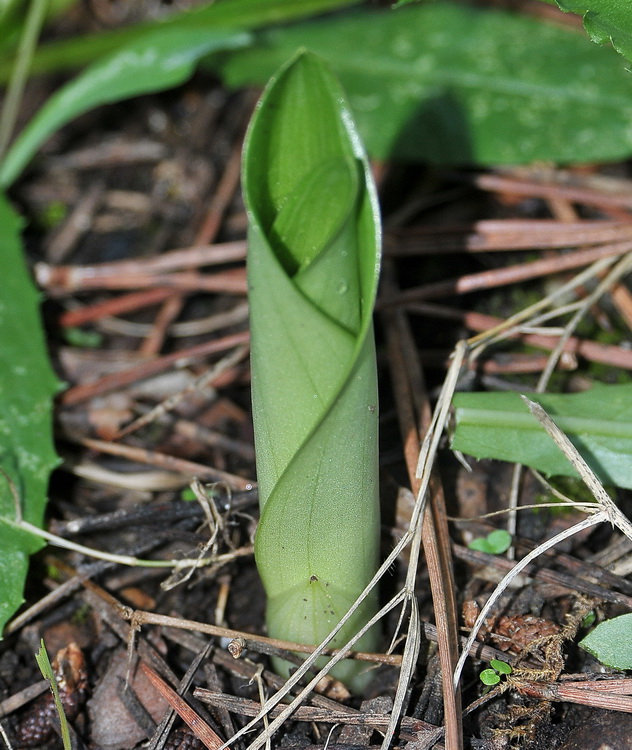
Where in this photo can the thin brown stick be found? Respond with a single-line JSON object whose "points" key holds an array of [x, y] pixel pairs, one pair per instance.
{"points": [[141, 617], [116, 380], [171, 463], [548, 189], [222, 197], [73, 278], [124, 303], [76, 224], [504, 276], [500, 235], [192, 719], [245, 707], [585, 694], [219, 203], [170, 403], [228, 282]]}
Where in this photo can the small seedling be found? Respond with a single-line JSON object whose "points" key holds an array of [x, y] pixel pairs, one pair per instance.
{"points": [[495, 543], [491, 677]]}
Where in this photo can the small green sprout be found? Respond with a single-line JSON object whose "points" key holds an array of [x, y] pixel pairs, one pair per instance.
{"points": [[589, 619], [491, 677], [43, 662], [495, 543]]}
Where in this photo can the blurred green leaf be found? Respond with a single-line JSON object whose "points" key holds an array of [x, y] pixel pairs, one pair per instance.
{"points": [[161, 60], [495, 543], [12, 14], [27, 386], [611, 642], [313, 262], [598, 422], [447, 83], [81, 337], [70, 54], [606, 21]]}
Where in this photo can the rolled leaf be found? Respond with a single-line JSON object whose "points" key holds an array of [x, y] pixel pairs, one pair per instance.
{"points": [[313, 264]]}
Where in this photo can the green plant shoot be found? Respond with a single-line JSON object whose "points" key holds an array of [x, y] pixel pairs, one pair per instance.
{"points": [[313, 263], [43, 662]]}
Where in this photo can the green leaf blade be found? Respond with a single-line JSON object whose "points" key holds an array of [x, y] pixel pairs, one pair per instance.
{"points": [[46, 668], [160, 60], [611, 642], [314, 388], [598, 422], [27, 386], [605, 21], [447, 83], [76, 52]]}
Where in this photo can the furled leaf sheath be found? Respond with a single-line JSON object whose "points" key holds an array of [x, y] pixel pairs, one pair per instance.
{"points": [[312, 267]]}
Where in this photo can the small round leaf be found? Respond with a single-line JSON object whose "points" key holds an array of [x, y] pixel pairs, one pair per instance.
{"points": [[489, 677], [501, 666]]}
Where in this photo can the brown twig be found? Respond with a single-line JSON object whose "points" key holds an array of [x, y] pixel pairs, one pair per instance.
{"points": [[218, 205], [77, 394], [124, 303], [141, 617], [192, 719], [74, 278], [530, 186], [504, 276], [245, 707], [500, 235], [76, 224], [171, 463], [613, 695], [227, 282]]}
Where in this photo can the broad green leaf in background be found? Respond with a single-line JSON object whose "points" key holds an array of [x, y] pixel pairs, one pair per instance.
{"points": [[447, 83], [313, 261], [605, 21], [611, 642], [27, 386], [12, 14], [69, 54], [598, 422], [164, 58]]}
